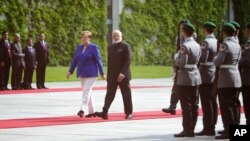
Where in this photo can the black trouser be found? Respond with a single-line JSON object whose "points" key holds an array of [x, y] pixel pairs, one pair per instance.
{"points": [[228, 106], [40, 75], [246, 102], [126, 95], [209, 107], [6, 75], [1, 77], [237, 111], [27, 80], [16, 77], [189, 104], [174, 97]]}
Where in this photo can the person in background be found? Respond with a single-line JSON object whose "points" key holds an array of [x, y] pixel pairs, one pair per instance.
{"points": [[5, 60], [18, 63], [245, 75], [42, 57], [30, 63], [88, 61]]}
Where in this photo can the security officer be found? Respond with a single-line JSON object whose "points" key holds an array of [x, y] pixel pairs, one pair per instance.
{"points": [[229, 80], [188, 80], [245, 76], [207, 71]]}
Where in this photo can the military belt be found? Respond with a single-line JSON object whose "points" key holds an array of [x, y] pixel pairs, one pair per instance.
{"points": [[189, 66], [207, 64], [229, 66]]}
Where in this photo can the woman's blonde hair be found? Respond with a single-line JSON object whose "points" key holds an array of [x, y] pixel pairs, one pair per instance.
{"points": [[88, 33]]}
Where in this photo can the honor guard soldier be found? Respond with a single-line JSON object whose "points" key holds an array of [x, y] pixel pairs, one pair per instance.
{"points": [[245, 76], [207, 71], [188, 80], [229, 80]]}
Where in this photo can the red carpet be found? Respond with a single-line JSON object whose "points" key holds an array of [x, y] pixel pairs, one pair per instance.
{"points": [[65, 120], [68, 89]]}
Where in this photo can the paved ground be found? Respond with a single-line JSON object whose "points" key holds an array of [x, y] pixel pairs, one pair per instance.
{"points": [[67, 103]]}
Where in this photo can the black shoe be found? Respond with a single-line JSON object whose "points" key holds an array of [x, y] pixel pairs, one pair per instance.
{"points": [[6, 88], [129, 116], [90, 115], [80, 113], [43, 87], [169, 110], [205, 133], [102, 115], [222, 136], [185, 134], [221, 132]]}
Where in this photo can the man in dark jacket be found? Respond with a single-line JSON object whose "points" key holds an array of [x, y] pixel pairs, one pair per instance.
{"points": [[5, 61], [17, 63], [42, 57], [119, 57], [30, 63]]}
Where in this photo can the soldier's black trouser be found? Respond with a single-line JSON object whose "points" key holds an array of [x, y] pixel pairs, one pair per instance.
{"points": [[189, 100], [237, 111], [174, 97], [246, 102], [209, 107], [126, 95], [228, 106]]}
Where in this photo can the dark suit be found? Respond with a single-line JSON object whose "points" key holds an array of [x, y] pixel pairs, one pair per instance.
{"points": [[17, 65], [5, 57], [119, 58], [42, 57], [30, 65]]}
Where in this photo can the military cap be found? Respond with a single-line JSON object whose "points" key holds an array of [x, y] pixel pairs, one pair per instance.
{"points": [[229, 26], [209, 24], [235, 24], [191, 26]]}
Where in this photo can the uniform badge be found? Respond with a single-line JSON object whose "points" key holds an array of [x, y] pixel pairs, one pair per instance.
{"points": [[247, 46], [222, 47], [204, 45], [182, 49]]}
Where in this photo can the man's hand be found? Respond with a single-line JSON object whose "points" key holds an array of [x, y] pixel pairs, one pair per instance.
{"points": [[68, 75], [120, 77], [104, 77]]}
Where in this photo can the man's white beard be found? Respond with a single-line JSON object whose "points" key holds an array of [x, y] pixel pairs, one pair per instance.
{"points": [[118, 41]]}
